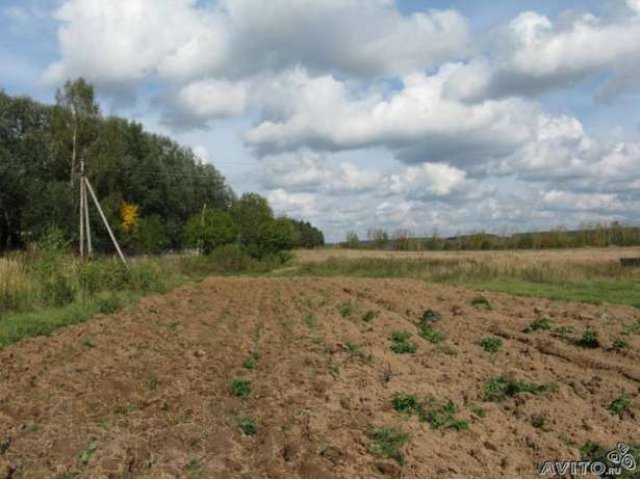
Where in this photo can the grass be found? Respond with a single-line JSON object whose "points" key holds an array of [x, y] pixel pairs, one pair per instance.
{"points": [[443, 416], [251, 362], [432, 335], [40, 292], [539, 324], [498, 389], [508, 272], [247, 426], [241, 388], [369, 316], [491, 344], [310, 320], [481, 302], [346, 309], [618, 345], [589, 339], [477, 410], [87, 453], [400, 342], [387, 442], [406, 403], [430, 316], [620, 404]]}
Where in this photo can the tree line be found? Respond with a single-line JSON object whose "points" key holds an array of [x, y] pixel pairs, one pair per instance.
{"points": [[598, 235], [156, 194]]}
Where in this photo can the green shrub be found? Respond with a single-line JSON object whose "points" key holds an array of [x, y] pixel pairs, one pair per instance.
{"points": [[210, 229], [498, 389], [481, 303], [108, 304], [231, 258], [539, 324], [241, 388], [491, 344], [400, 342], [619, 345], [589, 339], [406, 403], [250, 363], [620, 404], [247, 426], [430, 316], [431, 334], [57, 291], [387, 442], [346, 309], [369, 316], [443, 416]]}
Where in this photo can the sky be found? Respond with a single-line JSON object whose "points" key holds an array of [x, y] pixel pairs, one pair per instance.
{"points": [[428, 116]]}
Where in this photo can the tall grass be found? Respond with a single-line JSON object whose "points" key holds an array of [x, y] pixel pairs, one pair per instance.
{"points": [[42, 291], [568, 280]]}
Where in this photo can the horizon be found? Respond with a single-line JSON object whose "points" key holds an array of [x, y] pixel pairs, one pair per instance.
{"points": [[356, 115]]}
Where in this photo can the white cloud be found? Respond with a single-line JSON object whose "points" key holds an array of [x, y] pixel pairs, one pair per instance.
{"points": [[211, 98], [417, 122], [428, 179], [126, 41], [534, 54]]}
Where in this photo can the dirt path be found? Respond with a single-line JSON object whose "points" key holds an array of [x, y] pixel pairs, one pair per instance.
{"points": [[146, 392]]}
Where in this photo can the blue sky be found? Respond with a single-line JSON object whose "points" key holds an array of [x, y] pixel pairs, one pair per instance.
{"points": [[415, 115]]}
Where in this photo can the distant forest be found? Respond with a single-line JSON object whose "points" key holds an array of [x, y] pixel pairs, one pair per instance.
{"points": [[603, 235], [149, 186]]}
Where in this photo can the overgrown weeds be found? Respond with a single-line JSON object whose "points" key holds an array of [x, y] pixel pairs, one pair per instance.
{"points": [[387, 442], [497, 389], [400, 342]]}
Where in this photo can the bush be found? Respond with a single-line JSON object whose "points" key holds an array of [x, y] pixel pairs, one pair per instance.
{"points": [[210, 229], [231, 258]]}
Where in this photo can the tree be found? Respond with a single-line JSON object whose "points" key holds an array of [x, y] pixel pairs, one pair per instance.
{"points": [[210, 229], [352, 240], [251, 213], [76, 120], [309, 236]]}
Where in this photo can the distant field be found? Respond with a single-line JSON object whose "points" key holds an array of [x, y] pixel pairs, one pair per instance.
{"points": [[592, 275]]}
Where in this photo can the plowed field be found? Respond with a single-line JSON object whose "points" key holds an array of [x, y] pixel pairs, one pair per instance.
{"points": [[147, 392]]}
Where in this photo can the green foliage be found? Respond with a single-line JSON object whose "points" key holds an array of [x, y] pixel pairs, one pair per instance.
{"points": [[346, 309], [369, 316], [151, 235], [589, 339], [618, 345], [406, 403], [241, 388], [497, 389], [88, 452], [481, 303], [477, 410], [491, 344], [400, 342], [620, 404], [387, 442], [539, 324], [431, 334], [247, 426], [210, 229], [443, 416], [430, 316], [308, 235], [250, 363], [310, 320], [353, 347]]}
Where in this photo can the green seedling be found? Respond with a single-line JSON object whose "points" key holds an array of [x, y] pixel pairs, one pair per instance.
{"points": [[387, 442], [241, 388], [491, 344]]}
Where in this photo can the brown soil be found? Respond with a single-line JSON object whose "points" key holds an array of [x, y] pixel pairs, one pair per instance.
{"points": [[146, 392]]}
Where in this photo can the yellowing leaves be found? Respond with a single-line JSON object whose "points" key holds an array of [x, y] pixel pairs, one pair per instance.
{"points": [[129, 216]]}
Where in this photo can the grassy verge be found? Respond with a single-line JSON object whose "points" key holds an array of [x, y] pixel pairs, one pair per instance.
{"points": [[53, 289], [576, 281]]}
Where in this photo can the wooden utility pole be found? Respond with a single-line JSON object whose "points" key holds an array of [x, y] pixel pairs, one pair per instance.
{"points": [[81, 209], [104, 220]]}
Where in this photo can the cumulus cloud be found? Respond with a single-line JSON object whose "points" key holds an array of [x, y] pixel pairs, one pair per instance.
{"points": [[182, 39], [417, 122], [533, 54]]}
